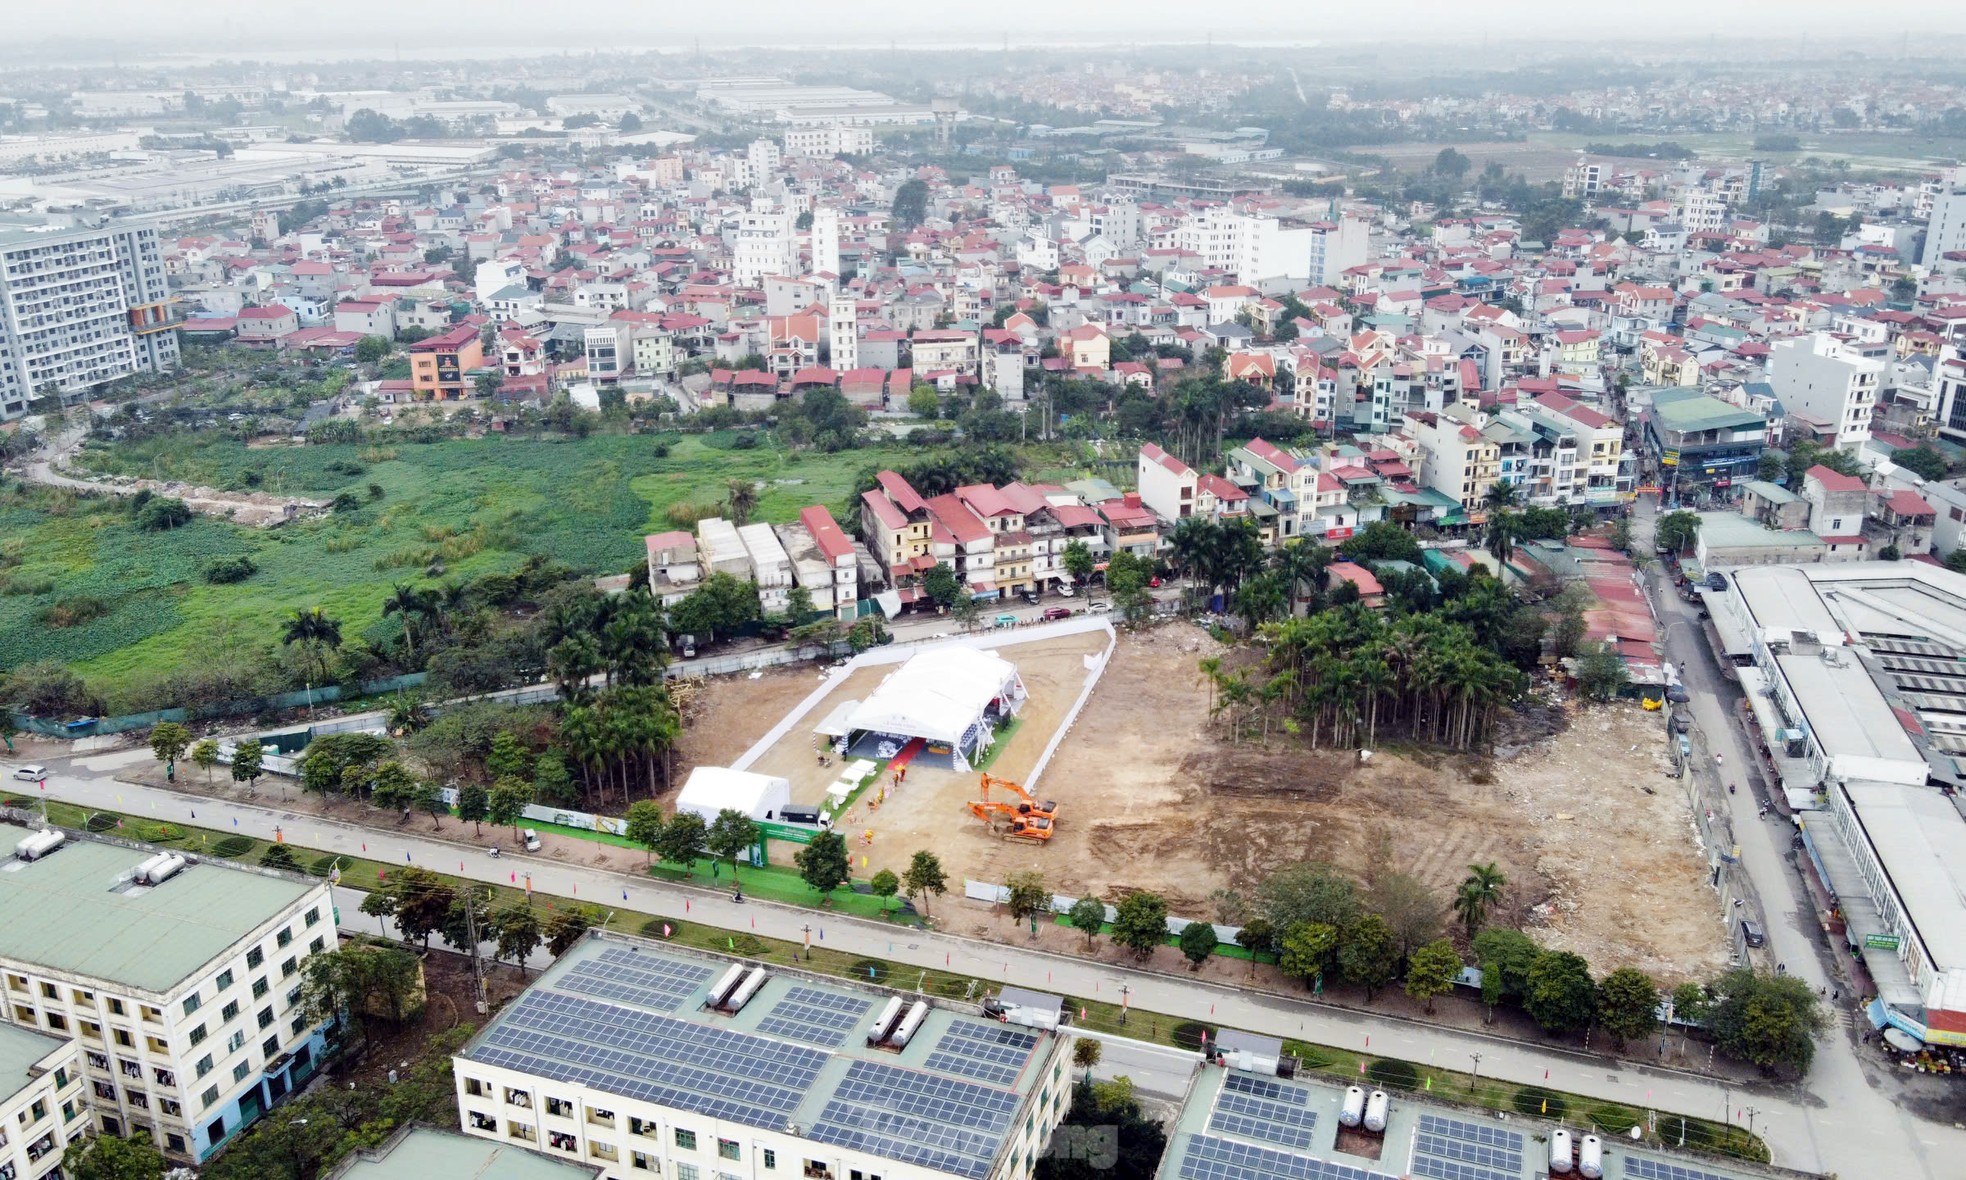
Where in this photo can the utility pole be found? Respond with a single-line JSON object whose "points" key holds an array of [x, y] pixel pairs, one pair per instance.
{"points": [[1474, 1075], [478, 993], [1124, 992]]}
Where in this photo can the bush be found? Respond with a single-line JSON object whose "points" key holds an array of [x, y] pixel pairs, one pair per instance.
{"points": [[224, 571], [1393, 1074], [653, 928], [323, 865], [72, 612], [870, 970], [746, 944], [1532, 1100], [233, 846], [952, 986], [162, 514], [1189, 1035], [1613, 1119], [102, 821]]}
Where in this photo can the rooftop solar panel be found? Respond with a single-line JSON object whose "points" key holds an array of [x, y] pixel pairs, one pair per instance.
{"points": [[905, 1114], [1258, 1118], [1639, 1167], [1243, 1083], [1440, 1169], [1454, 1149], [1481, 1133], [1209, 1158]]}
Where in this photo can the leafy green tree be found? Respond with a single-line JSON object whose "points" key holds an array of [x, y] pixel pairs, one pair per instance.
{"points": [[566, 928], [1601, 673], [1770, 1021], [1307, 892], [1258, 937], [645, 825], [1432, 971], [248, 762], [552, 782], [371, 349], [1140, 922], [1628, 1005], [1197, 941], [1770, 468], [1097, 1111], [923, 877], [684, 841], [416, 899], [168, 742], [1367, 955], [724, 603], [924, 402], [316, 634], [1028, 895], [1078, 561], [731, 835], [885, 885], [741, 500], [823, 864], [941, 585], [1691, 1003], [279, 856], [1088, 917], [519, 933], [1480, 890], [428, 798], [1677, 531], [1922, 461], [910, 207], [470, 905], [506, 805], [508, 757], [1505, 957], [1310, 949], [474, 804], [205, 754], [106, 1157], [1561, 996]]}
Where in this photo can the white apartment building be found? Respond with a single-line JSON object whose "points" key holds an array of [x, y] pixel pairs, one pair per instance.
{"points": [[179, 981], [843, 332], [43, 1105], [80, 307], [763, 244], [1830, 384], [1456, 459], [720, 550], [1261, 249], [835, 140], [1945, 232], [824, 561], [1167, 485], [646, 1060], [771, 568], [1702, 212], [826, 241]]}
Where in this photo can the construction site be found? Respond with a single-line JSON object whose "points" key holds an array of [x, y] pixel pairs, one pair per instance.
{"points": [[1145, 792]]}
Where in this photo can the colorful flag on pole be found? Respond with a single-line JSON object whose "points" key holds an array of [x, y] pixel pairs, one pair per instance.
{"points": [[666, 930], [1430, 1081]]}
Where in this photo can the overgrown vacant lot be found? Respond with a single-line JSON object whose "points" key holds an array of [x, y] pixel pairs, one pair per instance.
{"points": [[461, 507]]}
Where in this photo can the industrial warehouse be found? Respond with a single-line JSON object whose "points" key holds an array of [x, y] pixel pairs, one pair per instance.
{"points": [[1854, 681]]}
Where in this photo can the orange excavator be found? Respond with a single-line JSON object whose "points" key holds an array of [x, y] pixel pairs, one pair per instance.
{"points": [[1006, 821], [1026, 805]]}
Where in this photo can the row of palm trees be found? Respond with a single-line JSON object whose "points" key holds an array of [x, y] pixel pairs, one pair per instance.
{"points": [[425, 610], [625, 734], [1337, 677]]}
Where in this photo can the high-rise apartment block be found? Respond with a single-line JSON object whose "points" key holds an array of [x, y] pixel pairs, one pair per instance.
{"points": [[80, 307]]}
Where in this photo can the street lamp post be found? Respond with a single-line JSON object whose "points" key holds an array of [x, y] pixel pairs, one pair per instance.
{"points": [[1124, 992], [1474, 1075]]}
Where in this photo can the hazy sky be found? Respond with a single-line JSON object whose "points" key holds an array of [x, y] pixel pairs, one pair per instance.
{"points": [[214, 25]]}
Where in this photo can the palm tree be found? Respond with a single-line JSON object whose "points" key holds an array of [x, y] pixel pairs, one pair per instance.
{"points": [[1501, 534], [1192, 544], [741, 500], [1301, 563], [1499, 495], [409, 602], [314, 630], [1479, 891]]}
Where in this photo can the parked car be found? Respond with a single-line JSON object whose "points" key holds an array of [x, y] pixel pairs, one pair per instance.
{"points": [[31, 773], [1030, 596], [1751, 933], [1100, 608], [1053, 613], [1065, 590], [532, 840]]}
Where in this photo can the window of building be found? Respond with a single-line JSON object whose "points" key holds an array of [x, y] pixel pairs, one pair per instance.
{"points": [[240, 1071], [313, 915], [191, 1003], [17, 982], [139, 1098], [518, 1098], [230, 1010], [210, 1098], [165, 1077], [265, 1016], [197, 1034], [600, 1150], [83, 997], [116, 1007], [235, 1041], [123, 1038], [288, 968], [297, 1023], [270, 1048], [58, 1022], [92, 1030], [224, 979], [318, 945], [23, 1014], [727, 1149], [173, 1142], [50, 991], [104, 1091], [687, 1172], [286, 936], [560, 1141], [204, 1065], [685, 1139], [641, 1161], [152, 1014], [771, 1159], [255, 957]]}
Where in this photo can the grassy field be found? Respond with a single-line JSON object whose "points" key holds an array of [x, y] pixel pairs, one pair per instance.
{"points": [[469, 506], [1545, 154]]}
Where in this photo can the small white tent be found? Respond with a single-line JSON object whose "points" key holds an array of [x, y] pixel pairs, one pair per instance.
{"points": [[942, 696], [710, 789]]}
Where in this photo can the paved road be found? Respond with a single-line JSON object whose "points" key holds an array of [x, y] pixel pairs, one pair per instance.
{"points": [[1845, 1114], [1836, 1124]]}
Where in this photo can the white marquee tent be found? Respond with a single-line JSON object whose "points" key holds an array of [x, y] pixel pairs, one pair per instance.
{"points": [[942, 696], [710, 789]]}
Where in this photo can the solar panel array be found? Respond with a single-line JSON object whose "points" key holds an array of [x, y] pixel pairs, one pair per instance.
{"points": [[1454, 1149], [650, 981], [1209, 1158], [814, 1016], [918, 1118], [1637, 1167], [1249, 1083], [713, 1071], [1258, 1118], [988, 1052]]}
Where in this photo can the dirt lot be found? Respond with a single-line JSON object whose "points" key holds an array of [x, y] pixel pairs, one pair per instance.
{"points": [[1149, 798], [928, 811], [1536, 162], [731, 712]]}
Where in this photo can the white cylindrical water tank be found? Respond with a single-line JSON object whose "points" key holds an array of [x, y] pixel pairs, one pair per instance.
{"points": [[726, 984], [167, 865], [884, 1023], [147, 867], [1375, 1111], [1590, 1159], [1354, 1108], [746, 990], [39, 844], [910, 1023], [1559, 1151]]}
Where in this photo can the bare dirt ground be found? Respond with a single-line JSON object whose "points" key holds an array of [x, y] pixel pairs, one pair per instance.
{"points": [[729, 713], [929, 811], [1595, 841], [1535, 161]]}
